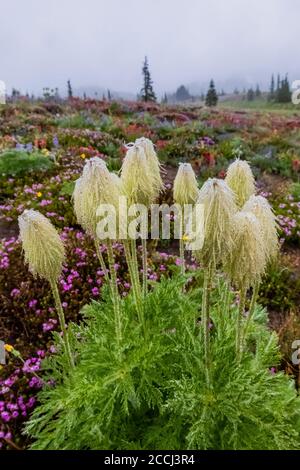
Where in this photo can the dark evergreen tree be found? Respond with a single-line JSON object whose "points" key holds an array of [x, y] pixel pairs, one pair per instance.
{"points": [[284, 93], [70, 91], [257, 91], [272, 89], [211, 96], [84, 95], [147, 92], [182, 94], [278, 85], [164, 99], [109, 97], [250, 94], [236, 91]]}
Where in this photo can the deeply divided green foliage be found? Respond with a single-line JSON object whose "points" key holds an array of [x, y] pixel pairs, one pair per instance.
{"points": [[150, 391], [18, 162]]}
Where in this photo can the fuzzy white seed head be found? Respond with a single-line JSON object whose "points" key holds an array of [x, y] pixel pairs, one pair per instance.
{"points": [[136, 179], [261, 208], [219, 208], [240, 179], [43, 247], [153, 163], [96, 186], [185, 189], [247, 262], [117, 180]]}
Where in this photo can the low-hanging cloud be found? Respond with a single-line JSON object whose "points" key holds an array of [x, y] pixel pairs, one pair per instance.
{"points": [[101, 42]]}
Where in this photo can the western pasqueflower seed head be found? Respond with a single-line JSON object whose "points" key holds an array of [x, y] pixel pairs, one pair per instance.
{"points": [[42, 245], [240, 179], [136, 179], [185, 189], [95, 186], [219, 207], [260, 207], [153, 163], [247, 261]]}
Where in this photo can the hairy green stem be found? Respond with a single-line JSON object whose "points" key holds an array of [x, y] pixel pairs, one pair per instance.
{"points": [[135, 286], [239, 321], [145, 267], [251, 310], [135, 263], [205, 319], [62, 321], [101, 261], [115, 290], [181, 255]]}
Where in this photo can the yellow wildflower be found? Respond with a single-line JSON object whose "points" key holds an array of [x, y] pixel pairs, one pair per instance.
{"points": [[83, 156], [39, 194], [8, 347]]}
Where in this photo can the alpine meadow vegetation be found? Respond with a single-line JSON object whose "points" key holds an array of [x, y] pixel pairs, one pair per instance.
{"points": [[185, 363]]}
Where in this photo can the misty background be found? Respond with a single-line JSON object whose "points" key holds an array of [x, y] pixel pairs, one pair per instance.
{"points": [[101, 45]]}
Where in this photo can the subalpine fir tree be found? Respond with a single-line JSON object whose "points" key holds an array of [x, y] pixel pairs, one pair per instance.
{"points": [[272, 89], [165, 99], [147, 92], [257, 91], [284, 93], [70, 91], [211, 96], [250, 94], [277, 87]]}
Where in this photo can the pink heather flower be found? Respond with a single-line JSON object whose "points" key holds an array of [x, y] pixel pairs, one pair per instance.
{"points": [[5, 416], [35, 383], [32, 303], [31, 402], [178, 262], [45, 202], [162, 267], [15, 292], [41, 353], [153, 277], [95, 291], [48, 326]]}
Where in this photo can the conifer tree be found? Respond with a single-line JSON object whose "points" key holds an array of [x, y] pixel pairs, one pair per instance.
{"points": [[257, 91], [147, 92], [272, 88], [70, 91], [165, 99], [211, 96], [250, 94]]}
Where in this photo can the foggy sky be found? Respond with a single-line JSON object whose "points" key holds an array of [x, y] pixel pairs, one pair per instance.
{"points": [[103, 42]]}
